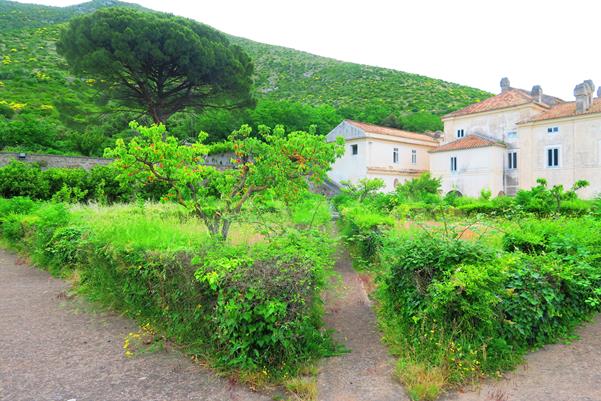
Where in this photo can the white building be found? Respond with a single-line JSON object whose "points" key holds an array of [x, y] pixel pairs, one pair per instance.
{"points": [[508, 141], [502, 144], [372, 151]]}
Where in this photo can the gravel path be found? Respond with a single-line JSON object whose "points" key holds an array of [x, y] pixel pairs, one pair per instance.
{"points": [[364, 374], [53, 349], [556, 373]]}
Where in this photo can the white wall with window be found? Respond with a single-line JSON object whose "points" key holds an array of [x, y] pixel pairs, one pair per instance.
{"points": [[470, 170]]}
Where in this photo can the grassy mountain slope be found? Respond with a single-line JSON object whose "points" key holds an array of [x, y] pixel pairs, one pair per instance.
{"points": [[287, 74], [35, 81]]}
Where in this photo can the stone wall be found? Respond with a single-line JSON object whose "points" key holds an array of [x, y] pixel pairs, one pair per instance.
{"points": [[47, 161]]}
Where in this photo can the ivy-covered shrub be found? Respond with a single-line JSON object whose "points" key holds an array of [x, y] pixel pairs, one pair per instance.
{"points": [[265, 310]]}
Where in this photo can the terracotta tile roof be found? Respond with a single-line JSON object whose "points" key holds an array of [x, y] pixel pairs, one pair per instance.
{"points": [[409, 171], [567, 109], [468, 142], [510, 98], [377, 129]]}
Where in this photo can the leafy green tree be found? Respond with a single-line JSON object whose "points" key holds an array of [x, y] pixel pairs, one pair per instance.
{"points": [[157, 63], [364, 188], [423, 188], [421, 121], [272, 163]]}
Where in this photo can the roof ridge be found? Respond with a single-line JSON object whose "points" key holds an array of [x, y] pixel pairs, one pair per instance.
{"points": [[383, 129], [470, 141]]}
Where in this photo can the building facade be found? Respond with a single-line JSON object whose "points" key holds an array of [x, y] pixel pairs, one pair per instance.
{"points": [[544, 137], [502, 144], [372, 151]]}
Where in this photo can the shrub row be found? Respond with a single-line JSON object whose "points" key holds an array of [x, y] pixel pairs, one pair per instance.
{"points": [[246, 308], [99, 184]]}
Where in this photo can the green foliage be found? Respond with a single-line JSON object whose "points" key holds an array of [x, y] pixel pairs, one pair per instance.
{"points": [[266, 315], [425, 188], [363, 189], [364, 230], [157, 63], [23, 179], [275, 163], [470, 309], [251, 309], [544, 201]]}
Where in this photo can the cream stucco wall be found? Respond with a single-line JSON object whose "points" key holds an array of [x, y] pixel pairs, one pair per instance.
{"points": [[351, 167], [374, 158], [579, 140], [501, 125], [477, 169], [495, 124]]}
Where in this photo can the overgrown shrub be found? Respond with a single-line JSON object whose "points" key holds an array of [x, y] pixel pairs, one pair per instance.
{"points": [[468, 310], [364, 230]]}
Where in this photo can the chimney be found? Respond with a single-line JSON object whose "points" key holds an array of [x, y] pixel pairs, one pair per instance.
{"points": [[584, 96], [537, 93], [505, 84]]}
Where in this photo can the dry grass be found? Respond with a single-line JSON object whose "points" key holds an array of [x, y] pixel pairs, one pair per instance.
{"points": [[302, 388], [423, 383]]}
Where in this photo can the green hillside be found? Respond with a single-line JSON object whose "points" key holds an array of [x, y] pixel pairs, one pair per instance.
{"points": [[287, 74], [44, 107]]}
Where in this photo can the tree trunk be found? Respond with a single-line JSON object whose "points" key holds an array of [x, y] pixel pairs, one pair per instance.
{"points": [[225, 229]]}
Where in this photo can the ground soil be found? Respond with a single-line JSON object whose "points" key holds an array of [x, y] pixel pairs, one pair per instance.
{"points": [[364, 373], [53, 348]]}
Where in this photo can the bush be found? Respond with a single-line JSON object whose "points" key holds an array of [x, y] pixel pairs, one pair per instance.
{"points": [[364, 230], [471, 310], [266, 313], [23, 179]]}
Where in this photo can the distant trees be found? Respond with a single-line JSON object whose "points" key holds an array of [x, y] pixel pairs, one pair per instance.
{"points": [[420, 121], [157, 63]]}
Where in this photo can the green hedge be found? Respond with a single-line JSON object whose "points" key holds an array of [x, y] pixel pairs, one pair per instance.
{"points": [[71, 185], [470, 309], [246, 308]]}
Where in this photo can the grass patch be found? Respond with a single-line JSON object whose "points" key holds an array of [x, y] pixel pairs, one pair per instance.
{"points": [[422, 382]]}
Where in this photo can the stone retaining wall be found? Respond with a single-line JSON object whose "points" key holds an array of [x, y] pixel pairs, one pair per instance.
{"points": [[47, 161]]}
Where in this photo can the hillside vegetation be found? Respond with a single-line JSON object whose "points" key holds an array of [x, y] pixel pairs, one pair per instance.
{"points": [[44, 107]]}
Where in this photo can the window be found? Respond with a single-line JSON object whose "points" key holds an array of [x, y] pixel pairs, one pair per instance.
{"points": [[552, 130], [355, 149], [395, 155], [413, 156], [553, 157], [512, 135], [512, 160], [453, 163], [460, 133]]}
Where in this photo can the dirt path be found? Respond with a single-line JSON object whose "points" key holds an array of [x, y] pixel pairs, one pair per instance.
{"points": [[52, 349], [556, 373], [364, 374]]}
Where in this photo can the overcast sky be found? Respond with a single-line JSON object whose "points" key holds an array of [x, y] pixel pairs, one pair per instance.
{"points": [[474, 42]]}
